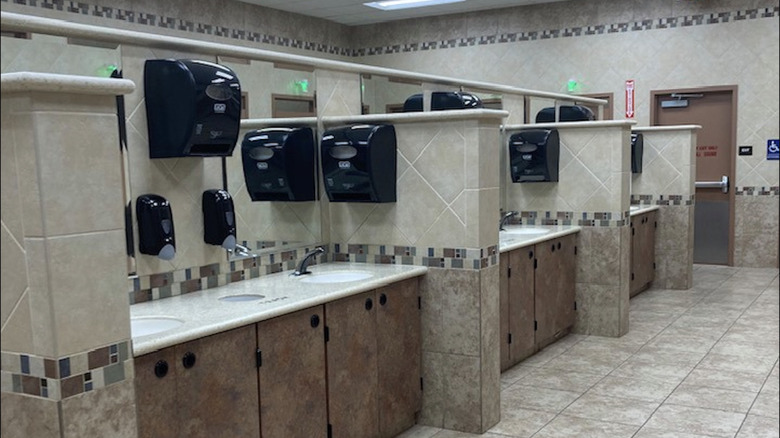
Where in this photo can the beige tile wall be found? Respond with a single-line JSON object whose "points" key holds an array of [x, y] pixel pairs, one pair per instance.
{"points": [[669, 169]]}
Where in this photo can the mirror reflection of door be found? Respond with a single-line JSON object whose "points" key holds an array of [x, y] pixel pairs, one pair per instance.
{"points": [[607, 115], [714, 108]]}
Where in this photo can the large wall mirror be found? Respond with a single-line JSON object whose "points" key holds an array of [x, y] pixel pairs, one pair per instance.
{"points": [[385, 94], [271, 90]]}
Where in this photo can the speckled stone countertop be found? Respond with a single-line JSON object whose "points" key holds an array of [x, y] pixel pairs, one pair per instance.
{"points": [[205, 314], [642, 209], [58, 83], [518, 236]]}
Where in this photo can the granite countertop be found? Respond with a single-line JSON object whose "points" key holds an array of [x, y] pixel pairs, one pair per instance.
{"points": [[205, 314], [641, 209], [518, 236]]}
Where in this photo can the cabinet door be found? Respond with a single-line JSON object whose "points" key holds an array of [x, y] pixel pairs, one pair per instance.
{"points": [[399, 351], [293, 398], [566, 253], [634, 283], [352, 366], [155, 394], [546, 291], [217, 385], [521, 306], [503, 309]]}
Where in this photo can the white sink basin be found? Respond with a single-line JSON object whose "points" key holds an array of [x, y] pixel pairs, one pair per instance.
{"points": [[633, 208], [525, 231], [149, 325], [336, 277], [242, 297]]}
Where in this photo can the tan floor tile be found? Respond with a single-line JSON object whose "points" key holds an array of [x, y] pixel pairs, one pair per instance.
{"points": [[712, 398], [759, 427], [612, 409], [696, 420], [637, 389], [567, 427]]}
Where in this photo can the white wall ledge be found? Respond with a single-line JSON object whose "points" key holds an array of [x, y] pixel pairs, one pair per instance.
{"points": [[56, 83], [281, 121], [563, 125], [666, 128], [415, 117]]}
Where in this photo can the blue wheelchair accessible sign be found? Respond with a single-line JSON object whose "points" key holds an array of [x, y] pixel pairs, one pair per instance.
{"points": [[773, 149]]}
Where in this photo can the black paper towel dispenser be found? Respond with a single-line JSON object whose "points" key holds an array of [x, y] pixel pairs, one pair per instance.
{"points": [[279, 164], [568, 113], [443, 100], [193, 108], [534, 155], [219, 219], [359, 163], [155, 226], [637, 150]]}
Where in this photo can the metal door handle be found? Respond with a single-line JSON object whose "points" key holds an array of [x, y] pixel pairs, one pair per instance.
{"points": [[723, 184]]}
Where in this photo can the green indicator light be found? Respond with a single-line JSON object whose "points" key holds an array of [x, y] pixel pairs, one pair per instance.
{"points": [[106, 70], [302, 85], [572, 86]]}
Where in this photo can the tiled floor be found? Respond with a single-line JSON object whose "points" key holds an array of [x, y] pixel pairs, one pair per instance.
{"points": [[695, 363]]}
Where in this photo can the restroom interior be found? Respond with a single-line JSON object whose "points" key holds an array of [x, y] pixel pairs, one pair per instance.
{"points": [[442, 220]]}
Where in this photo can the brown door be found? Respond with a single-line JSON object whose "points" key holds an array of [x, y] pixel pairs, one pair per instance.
{"points": [[607, 115], [714, 108]]}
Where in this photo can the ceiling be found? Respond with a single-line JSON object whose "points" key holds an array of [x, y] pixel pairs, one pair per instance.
{"points": [[354, 13]]}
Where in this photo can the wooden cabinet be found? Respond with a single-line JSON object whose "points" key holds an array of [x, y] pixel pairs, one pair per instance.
{"points": [[642, 251], [373, 357], [291, 374], [203, 388], [537, 290], [349, 368]]}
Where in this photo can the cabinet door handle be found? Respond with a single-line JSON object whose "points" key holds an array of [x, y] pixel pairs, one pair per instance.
{"points": [[161, 368], [315, 321], [382, 299], [369, 303], [188, 360]]}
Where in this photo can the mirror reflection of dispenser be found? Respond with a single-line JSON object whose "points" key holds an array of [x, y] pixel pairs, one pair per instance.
{"points": [[534, 155], [279, 164], [193, 108], [219, 219], [155, 226], [359, 163], [443, 100], [566, 113], [637, 150]]}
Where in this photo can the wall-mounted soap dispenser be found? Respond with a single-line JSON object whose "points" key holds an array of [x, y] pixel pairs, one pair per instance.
{"points": [[155, 226], [193, 108], [219, 219], [443, 100], [534, 155], [637, 150], [279, 164], [359, 163], [567, 113]]}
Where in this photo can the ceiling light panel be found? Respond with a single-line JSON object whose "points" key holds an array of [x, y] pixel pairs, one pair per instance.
{"points": [[392, 5]]}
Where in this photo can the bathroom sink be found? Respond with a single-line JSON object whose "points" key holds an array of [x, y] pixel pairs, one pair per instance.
{"points": [[336, 277], [149, 325], [526, 231], [633, 208], [242, 297]]}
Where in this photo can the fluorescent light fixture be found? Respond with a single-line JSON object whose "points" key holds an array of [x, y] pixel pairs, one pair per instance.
{"points": [[391, 5]]}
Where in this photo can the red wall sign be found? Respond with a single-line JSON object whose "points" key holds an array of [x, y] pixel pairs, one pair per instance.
{"points": [[630, 99]]}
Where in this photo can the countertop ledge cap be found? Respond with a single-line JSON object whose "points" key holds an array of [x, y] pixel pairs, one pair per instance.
{"points": [[417, 116], [587, 124], [58, 83], [666, 128]]}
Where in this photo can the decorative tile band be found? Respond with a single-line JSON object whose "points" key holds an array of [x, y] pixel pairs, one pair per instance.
{"points": [[168, 284], [157, 21], [449, 258], [60, 379], [757, 191], [663, 199], [582, 219]]}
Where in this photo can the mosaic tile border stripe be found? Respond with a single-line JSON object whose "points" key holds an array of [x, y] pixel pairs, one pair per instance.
{"points": [[168, 284], [152, 20], [757, 191], [663, 199], [66, 377], [604, 219]]}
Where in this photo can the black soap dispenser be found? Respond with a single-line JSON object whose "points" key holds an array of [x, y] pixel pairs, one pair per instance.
{"points": [[534, 155], [155, 226], [637, 150], [219, 219]]}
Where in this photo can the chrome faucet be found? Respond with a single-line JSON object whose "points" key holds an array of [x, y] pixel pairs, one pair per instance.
{"points": [[302, 267], [505, 219], [241, 251]]}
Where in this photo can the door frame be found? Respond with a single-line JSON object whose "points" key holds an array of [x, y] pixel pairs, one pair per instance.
{"points": [[734, 90]]}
